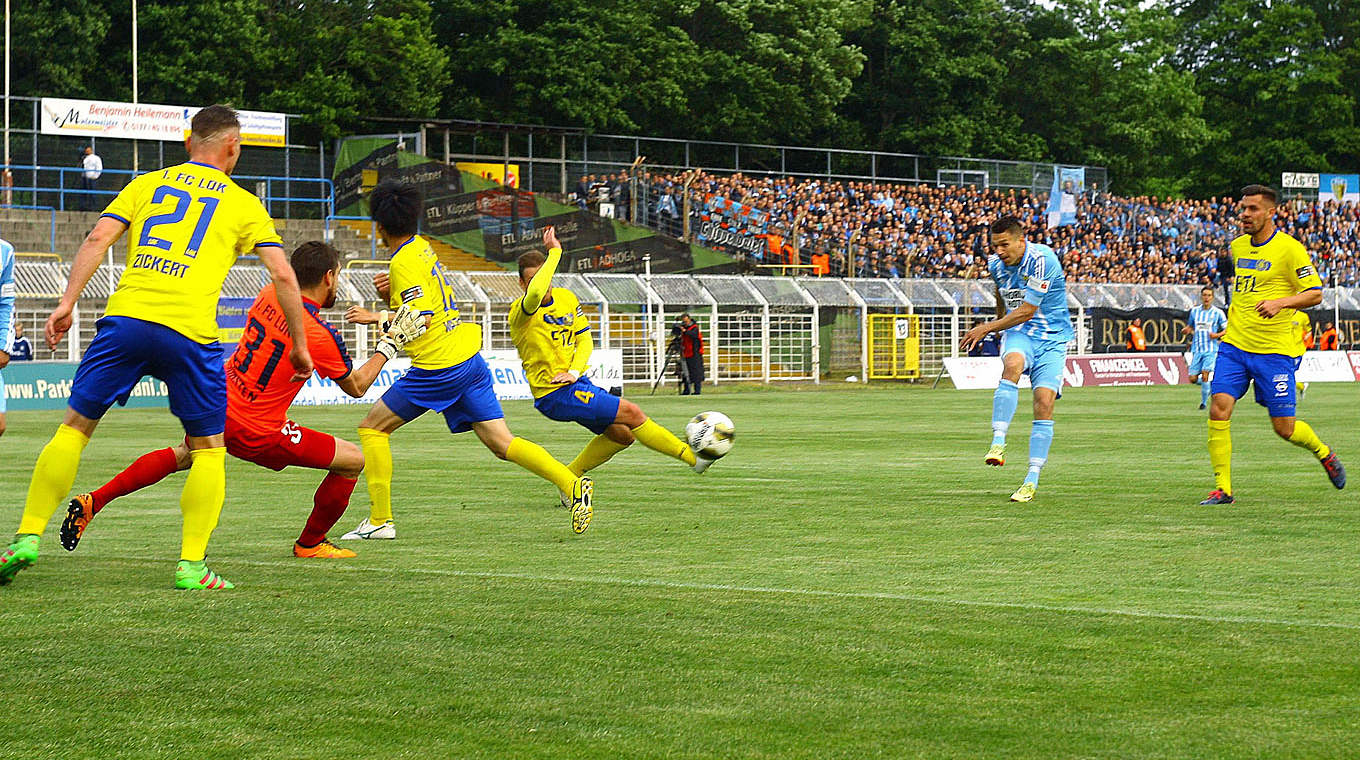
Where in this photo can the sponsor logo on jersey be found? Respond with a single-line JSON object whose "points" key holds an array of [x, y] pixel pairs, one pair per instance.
{"points": [[1038, 284], [1259, 265]]}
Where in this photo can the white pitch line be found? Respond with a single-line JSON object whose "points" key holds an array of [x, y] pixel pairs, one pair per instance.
{"points": [[878, 595]]}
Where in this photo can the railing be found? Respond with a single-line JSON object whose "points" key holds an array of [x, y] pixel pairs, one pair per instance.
{"points": [[64, 185]]}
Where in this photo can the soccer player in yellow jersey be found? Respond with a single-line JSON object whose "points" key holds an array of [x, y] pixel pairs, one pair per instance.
{"points": [[188, 224], [552, 336], [1303, 328], [448, 374], [1275, 277]]}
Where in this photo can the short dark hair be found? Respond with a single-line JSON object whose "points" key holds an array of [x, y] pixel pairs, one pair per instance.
{"points": [[1209, 288], [312, 260], [212, 121], [1008, 224], [396, 207], [1264, 191], [531, 260]]}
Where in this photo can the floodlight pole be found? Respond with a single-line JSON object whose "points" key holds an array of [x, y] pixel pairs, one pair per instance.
{"points": [[134, 79], [7, 86]]}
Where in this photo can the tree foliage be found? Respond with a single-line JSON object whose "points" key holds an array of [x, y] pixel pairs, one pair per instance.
{"points": [[1173, 96]]}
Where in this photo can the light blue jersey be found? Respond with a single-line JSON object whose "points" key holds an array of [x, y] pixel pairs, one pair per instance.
{"points": [[1037, 280], [1206, 321], [7, 291]]}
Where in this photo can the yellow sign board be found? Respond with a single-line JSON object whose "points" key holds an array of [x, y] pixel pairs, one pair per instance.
{"points": [[894, 347]]}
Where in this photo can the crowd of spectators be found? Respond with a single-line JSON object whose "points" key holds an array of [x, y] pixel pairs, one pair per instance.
{"points": [[870, 229]]}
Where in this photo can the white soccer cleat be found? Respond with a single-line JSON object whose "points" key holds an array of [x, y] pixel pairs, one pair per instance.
{"points": [[701, 464], [369, 531]]}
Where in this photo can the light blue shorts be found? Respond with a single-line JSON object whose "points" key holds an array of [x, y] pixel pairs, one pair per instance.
{"points": [[1044, 359], [1203, 362]]}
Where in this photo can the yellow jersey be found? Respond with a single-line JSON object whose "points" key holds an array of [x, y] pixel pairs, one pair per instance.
{"points": [[417, 278], [546, 339], [1278, 268], [186, 226], [1303, 326]]}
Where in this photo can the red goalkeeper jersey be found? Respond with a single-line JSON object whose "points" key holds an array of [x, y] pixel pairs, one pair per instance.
{"points": [[260, 385]]}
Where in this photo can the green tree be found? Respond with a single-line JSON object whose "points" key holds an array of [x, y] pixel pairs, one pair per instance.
{"points": [[1275, 90], [1097, 82], [933, 80]]}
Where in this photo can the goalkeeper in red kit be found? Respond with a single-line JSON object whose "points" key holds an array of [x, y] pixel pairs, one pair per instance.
{"points": [[258, 429]]}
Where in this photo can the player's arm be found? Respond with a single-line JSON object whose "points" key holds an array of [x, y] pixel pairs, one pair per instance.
{"points": [[542, 279], [404, 327], [1189, 328], [1018, 316], [290, 300], [105, 233], [1000, 304], [7, 291]]}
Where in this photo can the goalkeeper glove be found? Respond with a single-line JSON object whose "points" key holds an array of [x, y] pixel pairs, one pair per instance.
{"points": [[404, 326]]}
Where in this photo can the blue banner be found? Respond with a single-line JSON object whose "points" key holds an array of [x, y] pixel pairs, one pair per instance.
{"points": [[1342, 188], [1062, 200]]}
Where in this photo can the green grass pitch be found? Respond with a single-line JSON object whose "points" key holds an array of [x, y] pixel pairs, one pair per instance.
{"points": [[850, 582]]}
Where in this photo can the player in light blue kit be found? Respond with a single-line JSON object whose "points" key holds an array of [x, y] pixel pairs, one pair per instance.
{"points": [[6, 317], [1031, 309], [1207, 324]]}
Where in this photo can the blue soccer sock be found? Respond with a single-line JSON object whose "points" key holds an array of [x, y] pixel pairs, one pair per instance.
{"points": [[1040, 439], [1004, 401], [1204, 392]]}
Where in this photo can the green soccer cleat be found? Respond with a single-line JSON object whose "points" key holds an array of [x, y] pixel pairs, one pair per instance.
{"points": [[996, 455], [196, 575], [19, 555], [1025, 493]]}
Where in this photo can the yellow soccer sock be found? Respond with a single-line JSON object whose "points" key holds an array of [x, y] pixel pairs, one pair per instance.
{"points": [[537, 460], [1220, 454], [657, 438], [1305, 437], [377, 448], [600, 450], [201, 500], [52, 478]]}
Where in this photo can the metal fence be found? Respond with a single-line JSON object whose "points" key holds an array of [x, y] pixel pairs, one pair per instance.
{"points": [[552, 159], [46, 167], [757, 329]]}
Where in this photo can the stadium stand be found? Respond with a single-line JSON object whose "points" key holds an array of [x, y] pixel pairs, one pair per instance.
{"points": [[890, 230]]}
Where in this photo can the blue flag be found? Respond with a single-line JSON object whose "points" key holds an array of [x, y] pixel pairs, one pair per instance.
{"points": [[1062, 201]]}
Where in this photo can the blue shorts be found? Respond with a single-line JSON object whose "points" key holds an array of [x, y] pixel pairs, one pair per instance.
{"points": [[1273, 375], [463, 393], [582, 402], [1203, 362], [1044, 359], [125, 350]]}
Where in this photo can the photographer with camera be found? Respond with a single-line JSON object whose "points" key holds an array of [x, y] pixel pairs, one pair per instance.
{"points": [[692, 354]]}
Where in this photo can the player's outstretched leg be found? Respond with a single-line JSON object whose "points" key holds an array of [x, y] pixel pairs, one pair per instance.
{"points": [[1303, 436], [148, 469], [496, 436], [53, 475], [201, 504], [1204, 386], [1004, 402], [599, 450]]}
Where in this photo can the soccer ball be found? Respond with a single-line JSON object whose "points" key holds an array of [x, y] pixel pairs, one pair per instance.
{"points": [[710, 434]]}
